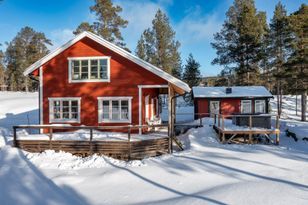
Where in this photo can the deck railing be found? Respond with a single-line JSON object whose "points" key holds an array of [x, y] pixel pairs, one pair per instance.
{"points": [[219, 123]]}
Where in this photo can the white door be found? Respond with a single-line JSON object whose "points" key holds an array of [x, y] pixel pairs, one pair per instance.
{"points": [[214, 107]]}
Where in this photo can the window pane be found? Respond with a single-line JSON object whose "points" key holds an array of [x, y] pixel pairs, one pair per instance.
{"points": [[76, 69], [246, 106], [75, 116], [105, 109], [115, 110], [94, 67], [66, 115], [84, 69], [103, 69], [74, 102], [124, 110], [260, 106]]}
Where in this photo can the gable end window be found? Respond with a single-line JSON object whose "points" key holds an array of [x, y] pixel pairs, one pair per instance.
{"points": [[246, 106], [89, 69], [64, 110], [114, 109], [259, 106]]}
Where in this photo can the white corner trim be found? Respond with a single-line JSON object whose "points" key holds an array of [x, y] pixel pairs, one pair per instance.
{"points": [[159, 72], [109, 98], [41, 95], [140, 108]]}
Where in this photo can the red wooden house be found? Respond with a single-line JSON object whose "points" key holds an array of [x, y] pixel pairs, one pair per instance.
{"points": [[231, 100], [90, 81]]}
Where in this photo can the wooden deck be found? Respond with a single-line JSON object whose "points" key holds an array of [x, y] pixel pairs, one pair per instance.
{"points": [[119, 149], [227, 135]]}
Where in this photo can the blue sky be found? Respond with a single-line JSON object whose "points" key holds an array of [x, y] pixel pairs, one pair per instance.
{"points": [[195, 21]]}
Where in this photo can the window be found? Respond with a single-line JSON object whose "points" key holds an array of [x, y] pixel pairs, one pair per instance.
{"points": [[114, 109], [93, 69], [64, 110], [259, 106], [246, 106]]}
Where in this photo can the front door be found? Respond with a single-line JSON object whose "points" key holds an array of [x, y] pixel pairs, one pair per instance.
{"points": [[214, 107]]}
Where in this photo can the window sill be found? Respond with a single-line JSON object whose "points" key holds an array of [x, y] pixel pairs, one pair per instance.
{"points": [[64, 121], [89, 80], [115, 121]]}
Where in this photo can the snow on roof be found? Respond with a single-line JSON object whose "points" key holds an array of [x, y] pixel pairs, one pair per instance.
{"points": [[237, 91], [114, 48]]}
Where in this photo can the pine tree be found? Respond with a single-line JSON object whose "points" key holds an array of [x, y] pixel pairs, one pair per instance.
{"points": [[192, 75], [239, 44], [84, 26], [297, 64], [27, 47], [108, 23], [157, 45], [2, 70], [280, 38]]}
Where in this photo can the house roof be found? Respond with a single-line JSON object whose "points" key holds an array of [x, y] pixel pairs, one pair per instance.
{"points": [[237, 92], [114, 48]]}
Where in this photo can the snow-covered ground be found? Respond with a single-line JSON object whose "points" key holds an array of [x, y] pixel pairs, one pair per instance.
{"points": [[207, 172]]}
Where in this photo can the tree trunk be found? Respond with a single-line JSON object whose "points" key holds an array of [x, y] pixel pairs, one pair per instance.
{"points": [[304, 105], [278, 99]]}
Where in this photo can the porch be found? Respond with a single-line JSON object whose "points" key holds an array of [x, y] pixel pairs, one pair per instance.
{"points": [[239, 128]]}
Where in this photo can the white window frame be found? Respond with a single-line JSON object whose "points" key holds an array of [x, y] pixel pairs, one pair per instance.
{"points": [[100, 109], [51, 114], [244, 101], [258, 102], [71, 80]]}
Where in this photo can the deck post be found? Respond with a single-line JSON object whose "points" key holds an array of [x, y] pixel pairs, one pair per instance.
{"points": [[222, 123], [91, 138], [200, 122], [50, 137], [250, 126], [218, 119], [250, 138], [223, 138], [129, 143], [15, 137], [171, 112], [277, 130]]}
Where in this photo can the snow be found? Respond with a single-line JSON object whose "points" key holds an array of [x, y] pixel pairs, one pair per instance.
{"points": [[85, 135], [207, 172], [237, 91]]}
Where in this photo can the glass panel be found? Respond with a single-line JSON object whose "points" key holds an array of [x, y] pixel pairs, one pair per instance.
{"points": [[66, 115], [84, 69], [74, 102], [103, 74], [76, 69], [75, 115], [115, 110], [94, 67], [260, 106], [246, 106], [124, 110], [105, 109]]}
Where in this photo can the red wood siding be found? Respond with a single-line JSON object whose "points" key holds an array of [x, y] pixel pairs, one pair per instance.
{"points": [[202, 106], [125, 76]]}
